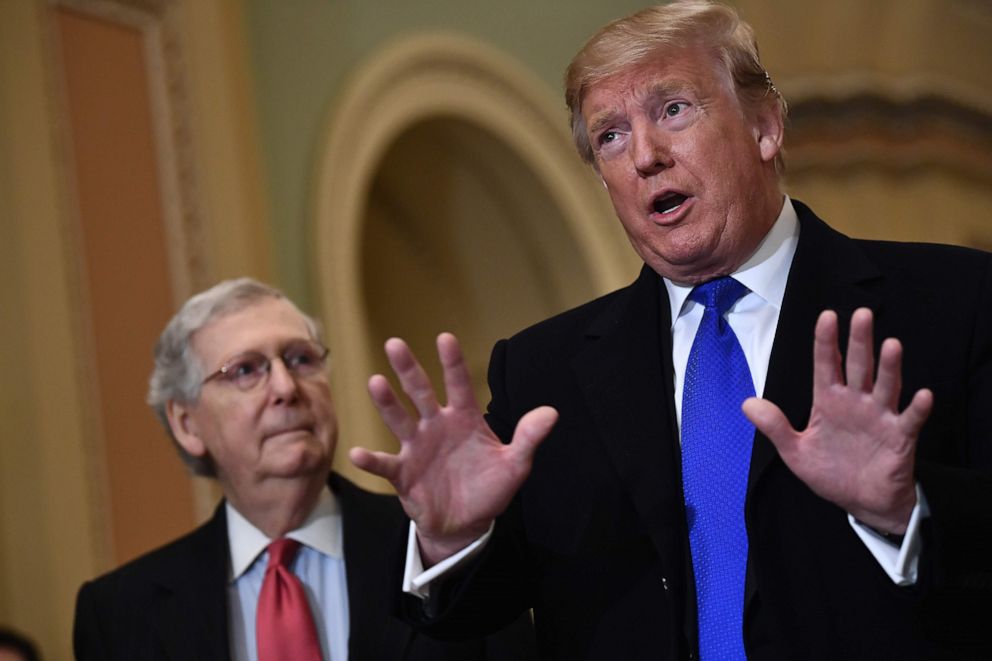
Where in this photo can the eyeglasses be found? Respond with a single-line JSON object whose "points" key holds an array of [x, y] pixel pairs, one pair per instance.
{"points": [[303, 359]]}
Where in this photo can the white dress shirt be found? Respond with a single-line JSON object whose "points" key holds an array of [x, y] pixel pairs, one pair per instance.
{"points": [[754, 319], [319, 564]]}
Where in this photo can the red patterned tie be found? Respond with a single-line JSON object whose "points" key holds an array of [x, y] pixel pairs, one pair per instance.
{"points": [[284, 628]]}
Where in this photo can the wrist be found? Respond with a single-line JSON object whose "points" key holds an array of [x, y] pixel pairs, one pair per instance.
{"points": [[890, 524], [435, 549]]}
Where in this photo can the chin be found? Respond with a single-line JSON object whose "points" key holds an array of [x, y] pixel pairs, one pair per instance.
{"points": [[301, 461]]}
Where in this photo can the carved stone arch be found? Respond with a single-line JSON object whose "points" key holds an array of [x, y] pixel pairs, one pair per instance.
{"points": [[435, 105]]}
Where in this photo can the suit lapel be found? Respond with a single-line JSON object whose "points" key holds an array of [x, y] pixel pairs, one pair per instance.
{"points": [[828, 272], [193, 621], [626, 377]]}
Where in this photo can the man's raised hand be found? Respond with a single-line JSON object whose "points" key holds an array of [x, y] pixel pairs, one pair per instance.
{"points": [[858, 449], [452, 474]]}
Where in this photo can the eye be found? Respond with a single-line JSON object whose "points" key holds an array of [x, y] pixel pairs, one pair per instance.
{"points": [[674, 109], [607, 137], [246, 367], [304, 357]]}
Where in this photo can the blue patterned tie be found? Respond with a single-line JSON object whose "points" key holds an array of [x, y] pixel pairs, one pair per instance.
{"points": [[716, 454]]}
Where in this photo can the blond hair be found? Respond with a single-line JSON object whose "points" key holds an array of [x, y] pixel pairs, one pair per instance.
{"points": [[630, 41]]}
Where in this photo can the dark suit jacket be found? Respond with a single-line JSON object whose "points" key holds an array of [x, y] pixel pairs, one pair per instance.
{"points": [[172, 603], [596, 540]]}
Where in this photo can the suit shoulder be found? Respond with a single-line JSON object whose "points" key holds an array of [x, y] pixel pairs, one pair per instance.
{"points": [[901, 250], [577, 321], [171, 559], [936, 263]]}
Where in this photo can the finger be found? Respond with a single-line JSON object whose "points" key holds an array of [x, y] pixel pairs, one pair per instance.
{"points": [[391, 410], [413, 379], [532, 428], [826, 354], [860, 352], [769, 419], [457, 380], [888, 385], [382, 464], [917, 412]]}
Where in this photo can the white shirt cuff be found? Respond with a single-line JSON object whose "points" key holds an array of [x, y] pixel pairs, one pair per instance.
{"points": [[900, 563], [416, 581]]}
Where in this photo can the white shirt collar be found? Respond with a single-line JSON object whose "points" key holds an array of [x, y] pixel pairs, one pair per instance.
{"points": [[764, 272], [321, 531]]}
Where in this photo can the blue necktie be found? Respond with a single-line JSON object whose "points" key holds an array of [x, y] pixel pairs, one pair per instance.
{"points": [[716, 454]]}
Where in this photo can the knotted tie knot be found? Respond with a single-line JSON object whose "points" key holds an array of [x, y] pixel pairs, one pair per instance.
{"points": [[719, 295], [281, 553]]}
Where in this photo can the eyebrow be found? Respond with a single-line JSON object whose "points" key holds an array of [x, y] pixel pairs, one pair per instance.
{"points": [[602, 121], [281, 349], [652, 91]]}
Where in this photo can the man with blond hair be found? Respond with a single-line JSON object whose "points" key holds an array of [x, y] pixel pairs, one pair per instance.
{"points": [[691, 467]]}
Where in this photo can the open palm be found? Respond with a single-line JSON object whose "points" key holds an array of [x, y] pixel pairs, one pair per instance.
{"points": [[858, 449], [452, 474]]}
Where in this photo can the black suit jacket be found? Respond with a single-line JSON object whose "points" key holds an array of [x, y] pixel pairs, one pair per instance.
{"points": [[596, 539], [172, 603]]}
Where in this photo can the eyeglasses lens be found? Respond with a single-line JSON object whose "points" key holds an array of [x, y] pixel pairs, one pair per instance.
{"points": [[303, 359]]}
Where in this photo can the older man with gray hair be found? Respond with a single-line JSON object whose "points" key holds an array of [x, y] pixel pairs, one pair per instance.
{"points": [[294, 563]]}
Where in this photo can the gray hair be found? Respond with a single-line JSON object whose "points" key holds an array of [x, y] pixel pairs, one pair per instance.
{"points": [[178, 373], [641, 36]]}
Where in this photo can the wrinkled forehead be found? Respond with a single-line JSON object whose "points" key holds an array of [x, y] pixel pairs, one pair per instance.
{"points": [[260, 325], [693, 71]]}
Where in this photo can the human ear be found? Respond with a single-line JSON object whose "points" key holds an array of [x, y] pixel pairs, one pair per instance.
{"points": [[769, 130], [184, 428]]}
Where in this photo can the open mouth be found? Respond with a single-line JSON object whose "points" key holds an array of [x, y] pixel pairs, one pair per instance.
{"points": [[668, 203]]}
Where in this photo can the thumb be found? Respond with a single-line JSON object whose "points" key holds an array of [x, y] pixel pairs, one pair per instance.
{"points": [[533, 428], [383, 464], [917, 412], [770, 421]]}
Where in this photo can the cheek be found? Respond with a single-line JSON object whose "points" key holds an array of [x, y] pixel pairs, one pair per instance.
{"points": [[613, 172], [240, 420], [623, 196], [321, 403]]}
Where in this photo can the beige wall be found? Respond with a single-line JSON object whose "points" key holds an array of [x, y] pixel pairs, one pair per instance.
{"points": [[248, 159], [47, 498], [112, 155]]}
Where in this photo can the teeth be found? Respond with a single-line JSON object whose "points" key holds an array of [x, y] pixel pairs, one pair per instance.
{"points": [[670, 209]]}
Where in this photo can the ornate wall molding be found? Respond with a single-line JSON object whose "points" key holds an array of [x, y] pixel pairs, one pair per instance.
{"points": [[159, 24], [892, 126]]}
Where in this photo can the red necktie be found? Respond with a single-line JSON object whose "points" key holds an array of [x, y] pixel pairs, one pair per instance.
{"points": [[284, 628]]}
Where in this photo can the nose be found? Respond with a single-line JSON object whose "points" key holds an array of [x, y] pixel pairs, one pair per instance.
{"points": [[649, 149], [282, 383]]}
